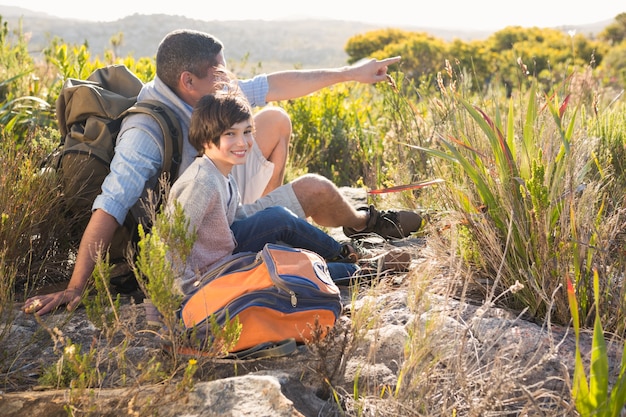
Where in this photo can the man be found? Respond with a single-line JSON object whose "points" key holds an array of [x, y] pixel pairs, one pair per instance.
{"points": [[189, 65]]}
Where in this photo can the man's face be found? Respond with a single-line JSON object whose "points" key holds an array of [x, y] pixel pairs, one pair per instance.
{"points": [[206, 85]]}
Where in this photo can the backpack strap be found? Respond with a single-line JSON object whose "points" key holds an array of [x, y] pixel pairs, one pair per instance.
{"points": [[263, 350], [172, 133], [172, 154], [266, 350]]}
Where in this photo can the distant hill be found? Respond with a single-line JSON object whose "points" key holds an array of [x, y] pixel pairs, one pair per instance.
{"points": [[275, 44]]}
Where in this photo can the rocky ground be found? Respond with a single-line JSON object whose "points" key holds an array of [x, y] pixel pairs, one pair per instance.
{"points": [[292, 385], [529, 358]]}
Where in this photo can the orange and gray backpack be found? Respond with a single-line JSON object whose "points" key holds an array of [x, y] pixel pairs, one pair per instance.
{"points": [[279, 294]]}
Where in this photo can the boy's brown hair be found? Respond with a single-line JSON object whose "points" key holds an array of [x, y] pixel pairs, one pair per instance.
{"points": [[214, 114]]}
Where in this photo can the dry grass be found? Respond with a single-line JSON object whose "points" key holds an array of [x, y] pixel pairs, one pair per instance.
{"points": [[461, 356]]}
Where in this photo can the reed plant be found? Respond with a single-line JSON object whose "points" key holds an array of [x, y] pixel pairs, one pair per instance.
{"points": [[520, 175], [592, 392]]}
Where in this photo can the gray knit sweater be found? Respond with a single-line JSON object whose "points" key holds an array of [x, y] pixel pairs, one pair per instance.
{"points": [[211, 202]]}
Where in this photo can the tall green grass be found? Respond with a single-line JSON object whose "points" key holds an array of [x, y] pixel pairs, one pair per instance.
{"points": [[592, 393], [531, 195]]}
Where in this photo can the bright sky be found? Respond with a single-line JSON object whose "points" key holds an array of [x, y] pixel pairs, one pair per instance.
{"points": [[455, 14]]}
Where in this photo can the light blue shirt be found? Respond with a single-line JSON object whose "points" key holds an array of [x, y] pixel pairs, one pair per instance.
{"points": [[139, 149]]}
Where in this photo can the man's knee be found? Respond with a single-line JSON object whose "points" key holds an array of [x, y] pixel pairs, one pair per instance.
{"points": [[273, 120], [315, 193], [313, 184], [273, 134], [272, 111]]}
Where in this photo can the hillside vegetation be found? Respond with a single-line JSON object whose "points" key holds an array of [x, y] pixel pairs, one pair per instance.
{"points": [[512, 147], [272, 44]]}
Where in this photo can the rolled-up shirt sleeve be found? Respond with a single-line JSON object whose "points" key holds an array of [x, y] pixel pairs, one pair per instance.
{"points": [[137, 159], [255, 89]]}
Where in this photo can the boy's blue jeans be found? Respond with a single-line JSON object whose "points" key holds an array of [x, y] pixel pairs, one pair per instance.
{"points": [[280, 225]]}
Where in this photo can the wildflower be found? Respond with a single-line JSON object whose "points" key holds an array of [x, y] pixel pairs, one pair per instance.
{"points": [[70, 350], [518, 286]]}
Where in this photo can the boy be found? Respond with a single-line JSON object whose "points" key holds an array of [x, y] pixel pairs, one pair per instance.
{"points": [[221, 129]]}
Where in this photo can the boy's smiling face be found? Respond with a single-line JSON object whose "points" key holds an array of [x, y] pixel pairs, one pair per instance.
{"points": [[235, 143]]}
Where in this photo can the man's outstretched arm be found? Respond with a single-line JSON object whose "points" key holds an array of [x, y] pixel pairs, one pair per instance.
{"points": [[285, 85]]}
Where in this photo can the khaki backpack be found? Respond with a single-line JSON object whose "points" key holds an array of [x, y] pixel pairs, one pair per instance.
{"points": [[89, 114]]}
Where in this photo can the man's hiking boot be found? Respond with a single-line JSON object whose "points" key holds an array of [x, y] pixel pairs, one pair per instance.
{"points": [[389, 224]]}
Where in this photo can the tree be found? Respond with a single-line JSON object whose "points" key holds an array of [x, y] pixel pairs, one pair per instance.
{"points": [[472, 58], [613, 67], [422, 55], [367, 44], [615, 33]]}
